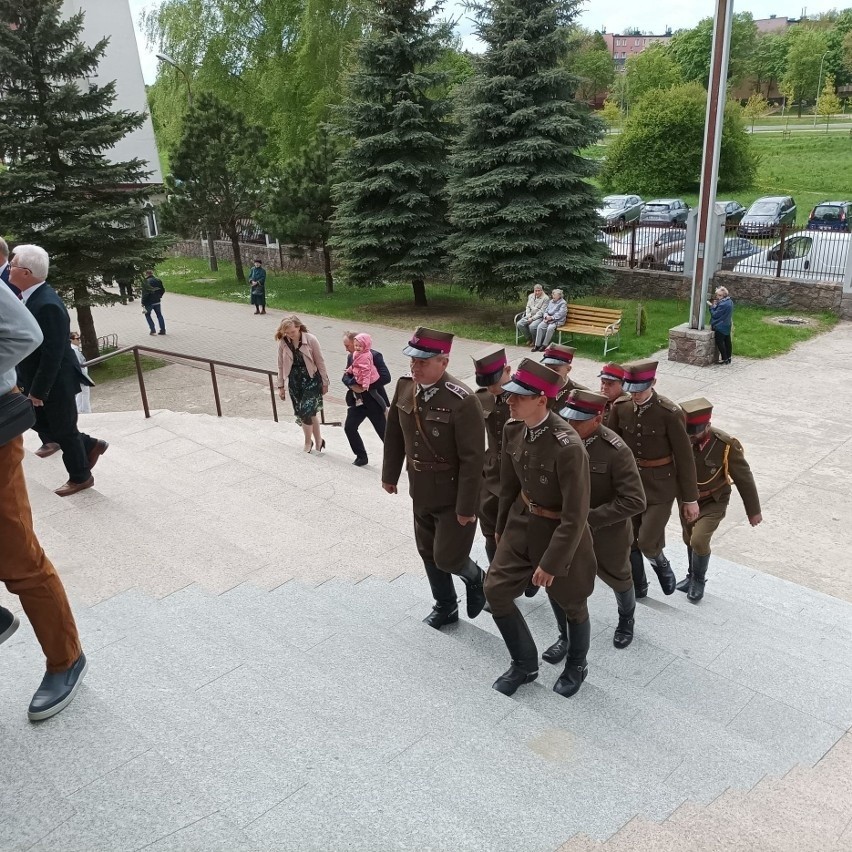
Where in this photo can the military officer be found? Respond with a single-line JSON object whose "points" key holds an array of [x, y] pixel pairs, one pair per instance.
{"points": [[542, 529], [617, 495], [654, 429], [719, 460], [435, 426], [612, 387], [492, 370], [560, 359]]}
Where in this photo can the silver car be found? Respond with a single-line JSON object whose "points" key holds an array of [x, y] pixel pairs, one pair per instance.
{"points": [[735, 250], [669, 211], [617, 210]]}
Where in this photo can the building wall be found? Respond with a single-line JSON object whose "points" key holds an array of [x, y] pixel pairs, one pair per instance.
{"points": [[111, 18], [622, 47]]}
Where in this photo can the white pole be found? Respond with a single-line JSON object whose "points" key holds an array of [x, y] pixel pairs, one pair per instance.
{"points": [[819, 86]]}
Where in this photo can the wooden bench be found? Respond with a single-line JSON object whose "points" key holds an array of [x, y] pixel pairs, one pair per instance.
{"points": [[597, 322]]}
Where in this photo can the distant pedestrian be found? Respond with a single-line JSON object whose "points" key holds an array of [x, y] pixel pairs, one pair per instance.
{"points": [[375, 405], [301, 370], [124, 278], [257, 279], [152, 296], [721, 321], [84, 398]]}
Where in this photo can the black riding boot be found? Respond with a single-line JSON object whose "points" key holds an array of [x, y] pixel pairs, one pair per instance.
{"points": [[576, 669], [490, 548], [557, 652], [637, 566], [699, 577], [446, 609], [531, 590], [683, 585], [473, 577], [623, 635], [663, 569], [524, 669]]}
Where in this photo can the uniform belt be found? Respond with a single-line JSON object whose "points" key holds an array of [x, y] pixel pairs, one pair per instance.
{"points": [[535, 509], [423, 467], [655, 462], [703, 495]]}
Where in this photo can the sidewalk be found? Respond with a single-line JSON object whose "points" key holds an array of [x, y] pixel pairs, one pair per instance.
{"points": [[788, 412]]}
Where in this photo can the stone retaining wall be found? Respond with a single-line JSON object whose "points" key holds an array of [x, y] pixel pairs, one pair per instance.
{"points": [[273, 258]]}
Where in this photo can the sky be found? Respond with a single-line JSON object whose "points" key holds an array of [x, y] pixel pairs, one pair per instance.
{"points": [[615, 15]]}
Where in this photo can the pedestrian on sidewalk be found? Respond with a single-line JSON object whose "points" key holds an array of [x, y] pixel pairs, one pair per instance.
{"points": [[25, 569], [124, 278], [722, 322], [301, 370], [84, 398], [152, 296], [373, 409], [257, 280]]}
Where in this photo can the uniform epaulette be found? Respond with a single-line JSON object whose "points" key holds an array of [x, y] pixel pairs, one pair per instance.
{"points": [[459, 391], [724, 437], [613, 439], [409, 377], [482, 391], [668, 404], [563, 436]]}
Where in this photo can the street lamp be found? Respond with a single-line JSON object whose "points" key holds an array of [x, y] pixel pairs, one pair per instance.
{"points": [[169, 61], [819, 86]]}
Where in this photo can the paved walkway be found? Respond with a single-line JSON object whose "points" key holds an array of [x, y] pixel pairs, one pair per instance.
{"points": [[792, 413]]}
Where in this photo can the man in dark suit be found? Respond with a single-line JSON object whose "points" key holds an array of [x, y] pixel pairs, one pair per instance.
{"points": [[371, 408], [51, 375], [4, 267]]}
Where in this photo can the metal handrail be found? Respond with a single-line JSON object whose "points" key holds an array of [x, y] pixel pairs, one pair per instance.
{"points": [[212, 364]]}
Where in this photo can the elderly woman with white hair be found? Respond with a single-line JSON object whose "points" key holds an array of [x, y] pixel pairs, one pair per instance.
{"points": [[530, 319], [721, 321], [554, 314]]}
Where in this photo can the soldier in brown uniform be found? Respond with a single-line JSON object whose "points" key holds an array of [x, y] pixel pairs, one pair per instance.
{"points": [[560, 359], [719, 460], [617, 495], [612, 387], [654, 429], [542, 529], [492, 371], [435, 425]]}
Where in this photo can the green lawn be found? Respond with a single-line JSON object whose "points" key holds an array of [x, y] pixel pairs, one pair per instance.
{"points": [[465, 314], [121, 367]]}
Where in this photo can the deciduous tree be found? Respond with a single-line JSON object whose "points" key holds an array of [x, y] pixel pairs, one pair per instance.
{"points": [[692, 49], [653, 68]]}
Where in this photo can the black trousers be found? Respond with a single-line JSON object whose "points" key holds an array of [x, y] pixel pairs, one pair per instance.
{"points": [[126, 290], [57, 419], [723, 344], [356, 415]]}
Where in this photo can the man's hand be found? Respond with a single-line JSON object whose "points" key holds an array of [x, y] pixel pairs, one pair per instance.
{"points": [[37, 403], [542, 578], [356, 389], [391, 489], [464, 520], [754, 520], [690, 512]]}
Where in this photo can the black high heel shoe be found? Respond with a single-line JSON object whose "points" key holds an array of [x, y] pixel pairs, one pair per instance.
{"points": [[321, 446]]}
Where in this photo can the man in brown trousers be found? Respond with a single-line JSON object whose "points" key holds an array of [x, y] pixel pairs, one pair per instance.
{"points": [[612, 387], [617, 495], [435, 426], [654, 429], [542, 529], [719, 460]]}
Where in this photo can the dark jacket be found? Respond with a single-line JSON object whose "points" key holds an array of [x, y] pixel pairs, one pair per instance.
{"points": [[53, 369], [721, 315], [4, 276], [257, 279], [152, 291], [379, 387]]}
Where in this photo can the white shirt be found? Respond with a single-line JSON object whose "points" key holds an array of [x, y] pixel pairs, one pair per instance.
{"points": [[25, 294]]}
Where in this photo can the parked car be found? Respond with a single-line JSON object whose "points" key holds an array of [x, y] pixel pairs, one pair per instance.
{"points": [[733, 210], [617, 210], [665, 210], [766, 216], [812, 255], [734, 250], [650, 246], [831, 216]]}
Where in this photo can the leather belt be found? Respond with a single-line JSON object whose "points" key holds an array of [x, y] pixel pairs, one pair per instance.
{"points": [[655, 462], [535, 509], [703, 495], [424, 467]]}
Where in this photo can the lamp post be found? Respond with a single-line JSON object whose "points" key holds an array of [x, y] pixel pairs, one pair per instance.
{"points": [[169, 61], [819, 87]]}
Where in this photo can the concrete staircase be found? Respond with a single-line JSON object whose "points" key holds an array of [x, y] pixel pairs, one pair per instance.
{"points": [[260, 680]]}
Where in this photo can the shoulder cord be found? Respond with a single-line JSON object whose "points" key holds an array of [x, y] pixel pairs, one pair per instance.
{"points": [[728, 479]]}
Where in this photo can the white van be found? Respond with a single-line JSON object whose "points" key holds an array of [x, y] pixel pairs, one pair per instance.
{"points": [[808, 255]]}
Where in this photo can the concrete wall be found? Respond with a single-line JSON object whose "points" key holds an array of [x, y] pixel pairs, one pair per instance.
{"points": [[272, 258]]}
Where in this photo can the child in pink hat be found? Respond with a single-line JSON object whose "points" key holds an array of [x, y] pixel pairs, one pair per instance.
{"points": [[362, 370]]}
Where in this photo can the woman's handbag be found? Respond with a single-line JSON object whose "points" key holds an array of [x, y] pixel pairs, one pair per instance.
{"points": [[16, 416]]}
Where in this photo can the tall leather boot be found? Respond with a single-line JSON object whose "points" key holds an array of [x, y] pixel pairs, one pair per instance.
{"points": [[557, 652], [699, 577], [524, 668], [576, 669], [683, 585], [490, 548], [623, 635], [637, 566], [663, 569], [446, 609], [531, 590], [474, 577]]}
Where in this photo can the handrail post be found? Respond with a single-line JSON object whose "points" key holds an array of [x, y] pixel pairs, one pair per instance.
{"points": [[140, 375], [272, 397], [215, 390]]}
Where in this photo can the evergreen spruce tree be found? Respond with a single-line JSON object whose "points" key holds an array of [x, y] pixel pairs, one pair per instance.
{"points": [[59, 189], [520, 197], [391, 215]]}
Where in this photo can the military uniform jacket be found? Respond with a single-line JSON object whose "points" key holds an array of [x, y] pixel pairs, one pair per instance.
{"points": [[453, 420], [719, 462], [625, 397], [655, 431], [617, 493], [496, 413], [553, 471], [559, 401]]}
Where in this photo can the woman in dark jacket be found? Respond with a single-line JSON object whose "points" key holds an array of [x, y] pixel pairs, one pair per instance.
{"points": [[721, 321]]}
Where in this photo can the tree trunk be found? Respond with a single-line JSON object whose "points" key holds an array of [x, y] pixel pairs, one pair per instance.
{"points": [[419, 287], [211, 251], [801, 104], [326, 265], [86, 322], [238, 256]]}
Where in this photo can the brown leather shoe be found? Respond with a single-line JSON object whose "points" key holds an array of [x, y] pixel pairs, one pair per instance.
{"points": [[96, 452], [73, 487], [46, 450]]}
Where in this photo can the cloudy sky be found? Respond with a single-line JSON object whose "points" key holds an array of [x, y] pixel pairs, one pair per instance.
{"points": [[615, 15]]}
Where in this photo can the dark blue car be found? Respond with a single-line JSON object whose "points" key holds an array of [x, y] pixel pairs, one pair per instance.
{"points": [[831, 216]]}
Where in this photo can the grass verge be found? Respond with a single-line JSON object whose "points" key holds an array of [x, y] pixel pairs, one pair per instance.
{"points": [[121, 367]]}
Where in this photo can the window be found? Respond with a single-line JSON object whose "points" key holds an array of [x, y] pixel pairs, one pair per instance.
{"points": [[150, 224], [637, 43]]}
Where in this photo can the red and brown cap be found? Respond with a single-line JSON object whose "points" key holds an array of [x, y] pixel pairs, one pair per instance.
{"points": [[557, 354], [534, 379], [612, 372], [583, 405], [427, 343], [698, 414], [640, 375], [488, 365]]}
